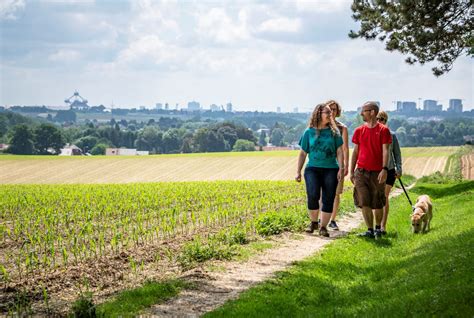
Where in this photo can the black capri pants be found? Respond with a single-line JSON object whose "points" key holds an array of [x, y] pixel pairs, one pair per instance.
{"points": [[318, 179]]}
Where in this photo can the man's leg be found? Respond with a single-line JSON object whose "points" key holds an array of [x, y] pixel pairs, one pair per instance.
{"points": [[368, 217]]}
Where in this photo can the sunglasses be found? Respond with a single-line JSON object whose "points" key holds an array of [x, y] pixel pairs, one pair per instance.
{"points": [[381, 119]]}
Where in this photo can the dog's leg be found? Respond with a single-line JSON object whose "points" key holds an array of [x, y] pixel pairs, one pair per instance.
{"points": [[425, 224]]}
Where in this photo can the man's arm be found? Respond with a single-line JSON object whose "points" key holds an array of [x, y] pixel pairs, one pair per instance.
{"points": [[355, 156], [383, 174]]}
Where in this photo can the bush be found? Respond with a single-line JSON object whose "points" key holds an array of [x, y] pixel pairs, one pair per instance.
{"points": [[243, 145], [99, 149], [198, 251], [84, 306], [277, 222]]}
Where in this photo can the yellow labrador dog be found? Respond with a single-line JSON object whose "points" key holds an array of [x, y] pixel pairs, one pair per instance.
{"points": [[422, 214]]}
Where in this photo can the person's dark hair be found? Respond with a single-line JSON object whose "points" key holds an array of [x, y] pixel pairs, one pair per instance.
{"points": [[338, 107]]}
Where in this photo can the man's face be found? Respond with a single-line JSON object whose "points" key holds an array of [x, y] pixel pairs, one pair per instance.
{"points": [[367, 113]]}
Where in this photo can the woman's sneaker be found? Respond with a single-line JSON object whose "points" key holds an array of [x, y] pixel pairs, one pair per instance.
{"points": [[323, 232], [313, 226], [333, 225]]}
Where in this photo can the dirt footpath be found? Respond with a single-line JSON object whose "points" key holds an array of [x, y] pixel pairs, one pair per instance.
{"points": [[467, 166], [213, 289]]}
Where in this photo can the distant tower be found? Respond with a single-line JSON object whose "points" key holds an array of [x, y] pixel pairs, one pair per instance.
{"points": [[455, 106], [229, 107], [278, 109], [77, 102]]}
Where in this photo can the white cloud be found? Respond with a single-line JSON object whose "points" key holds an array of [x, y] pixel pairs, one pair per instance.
{"points": [[65, 55], [217, 26], [8, 8], [321, 6], [149, 47], [281, 24]]}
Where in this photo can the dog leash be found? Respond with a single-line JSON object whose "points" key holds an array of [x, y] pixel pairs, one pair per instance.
{"points": [[403, 187]]}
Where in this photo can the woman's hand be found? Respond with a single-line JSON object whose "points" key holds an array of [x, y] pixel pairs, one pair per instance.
{"points": [[339, 174], [298, 177], [346, 171]]}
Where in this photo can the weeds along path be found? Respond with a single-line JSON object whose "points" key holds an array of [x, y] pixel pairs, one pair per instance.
{"points": [[214, 288]]}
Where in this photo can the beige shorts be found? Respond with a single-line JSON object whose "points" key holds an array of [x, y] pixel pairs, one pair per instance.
{"points": [[340, 187]]}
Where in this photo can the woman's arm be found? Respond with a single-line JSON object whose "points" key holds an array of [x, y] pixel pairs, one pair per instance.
{"points": [[345, 145], [301, 160]]}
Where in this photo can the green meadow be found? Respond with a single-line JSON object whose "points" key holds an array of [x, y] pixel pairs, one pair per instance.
{"points": [[401, 275]]}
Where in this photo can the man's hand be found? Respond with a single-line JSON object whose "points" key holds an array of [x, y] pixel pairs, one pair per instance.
{"points": [[382, 176], [298, 177], [346, 171], [398, 175], [352, 178]]}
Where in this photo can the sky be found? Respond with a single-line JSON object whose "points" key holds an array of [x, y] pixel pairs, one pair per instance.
{"points": [[258, 55]]}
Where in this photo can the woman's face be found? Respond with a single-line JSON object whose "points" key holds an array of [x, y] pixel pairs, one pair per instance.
{"points": [[326, 114], [333, 108]]}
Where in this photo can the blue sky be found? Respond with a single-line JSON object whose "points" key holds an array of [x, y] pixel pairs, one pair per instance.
{"points": [[259, 55]]}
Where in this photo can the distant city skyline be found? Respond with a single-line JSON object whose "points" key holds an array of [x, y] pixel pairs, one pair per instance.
{"points": [[256, 55]]}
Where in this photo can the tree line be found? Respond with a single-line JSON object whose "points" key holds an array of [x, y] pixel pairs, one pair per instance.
{"points": [[175, 135]]}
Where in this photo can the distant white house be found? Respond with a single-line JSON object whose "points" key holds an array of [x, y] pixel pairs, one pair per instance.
{"points": [[3, 147], [71, 150], [125, 152]]}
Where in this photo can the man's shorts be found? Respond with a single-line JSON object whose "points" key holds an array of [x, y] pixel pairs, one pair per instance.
{"points": [[340, 186], [367, 189], [390, 177]]}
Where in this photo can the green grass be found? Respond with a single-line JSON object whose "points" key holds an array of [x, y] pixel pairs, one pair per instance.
{"points": [[401, 275], [129, 303]]}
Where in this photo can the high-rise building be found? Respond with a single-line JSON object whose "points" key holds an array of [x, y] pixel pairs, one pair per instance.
{"points": [[214, 108], [406, 106], [159, 106], [167, 106], [194, 106], [430, 105], [229, 107], [295, 110], [278, 109], [455, 106]]}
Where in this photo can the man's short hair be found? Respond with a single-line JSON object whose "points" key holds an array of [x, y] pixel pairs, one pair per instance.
{"points": [[373, 105]]}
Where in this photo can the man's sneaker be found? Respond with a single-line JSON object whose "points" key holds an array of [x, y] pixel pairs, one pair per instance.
{"points": [[323, 232], [313, 226], [378, 234], [368, 234], [333, 225]]}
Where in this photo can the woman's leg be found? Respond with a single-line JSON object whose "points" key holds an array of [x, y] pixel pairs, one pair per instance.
{"points": [[386, 208], [313, 190], [329, 192]]}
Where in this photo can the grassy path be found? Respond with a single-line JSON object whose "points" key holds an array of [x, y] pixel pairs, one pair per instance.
{"points": [[401, 275]]}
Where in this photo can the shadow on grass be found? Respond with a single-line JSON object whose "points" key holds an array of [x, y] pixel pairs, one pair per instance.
{"points": [[438, 191], [434, 280]]}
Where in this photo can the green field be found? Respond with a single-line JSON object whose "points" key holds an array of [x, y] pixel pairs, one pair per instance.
{"points": [[402, 275]]}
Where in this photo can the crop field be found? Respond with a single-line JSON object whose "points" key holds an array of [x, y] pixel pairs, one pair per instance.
{"points": [[279, 165], [52, 235]]}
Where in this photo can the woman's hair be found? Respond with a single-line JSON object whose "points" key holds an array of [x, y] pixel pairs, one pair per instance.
{"points": [[338, 107], [383, 114], [316, 118]]}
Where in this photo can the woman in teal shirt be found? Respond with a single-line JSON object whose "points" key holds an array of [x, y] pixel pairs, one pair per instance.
{"points": [[321, 143]]}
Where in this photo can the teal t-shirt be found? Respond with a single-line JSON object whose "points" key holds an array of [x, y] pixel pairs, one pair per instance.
{"points": [[321, 149]]}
